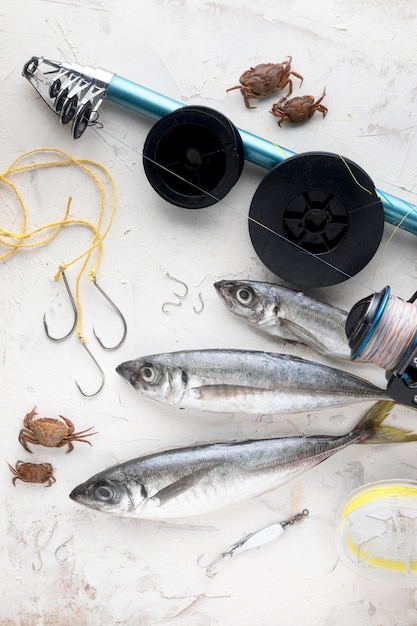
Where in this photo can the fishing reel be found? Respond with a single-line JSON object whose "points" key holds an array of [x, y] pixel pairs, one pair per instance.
{"points": [[382, 329]]}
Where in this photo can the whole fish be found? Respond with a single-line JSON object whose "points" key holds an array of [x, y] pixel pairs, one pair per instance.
{"points": [[194, 480], [253, 382], [288, 314]]}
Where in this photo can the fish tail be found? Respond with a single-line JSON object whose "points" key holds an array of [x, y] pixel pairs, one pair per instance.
{"points": [[371, 430]]}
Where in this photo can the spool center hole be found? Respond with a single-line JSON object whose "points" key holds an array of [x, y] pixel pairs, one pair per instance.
{"points": [[193, 158], [316, 220]]}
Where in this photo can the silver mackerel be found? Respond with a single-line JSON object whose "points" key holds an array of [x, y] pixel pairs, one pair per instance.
{"points": [[246, 381], [288, 314], [200, 479]]}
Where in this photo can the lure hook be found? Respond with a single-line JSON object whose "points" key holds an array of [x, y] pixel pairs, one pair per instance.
{"points": [[119, 313], [210, 567], [74, 308], [91, 395]]}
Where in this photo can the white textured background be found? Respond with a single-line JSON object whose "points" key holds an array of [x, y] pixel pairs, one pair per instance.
{"points": [[113, 571]]}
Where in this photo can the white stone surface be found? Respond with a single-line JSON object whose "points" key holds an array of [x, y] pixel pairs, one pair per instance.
{"points": [[113, 571]]}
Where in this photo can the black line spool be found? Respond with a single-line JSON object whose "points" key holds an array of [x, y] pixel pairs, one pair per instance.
{"points": [[193, 157], [319, 204]]}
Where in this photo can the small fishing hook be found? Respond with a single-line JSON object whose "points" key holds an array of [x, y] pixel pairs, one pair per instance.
{"points": [[119, 313], [38, 546], [202, 304], [90, 395], [59, 548], [74, 308], [164, 310], [181, 283]]}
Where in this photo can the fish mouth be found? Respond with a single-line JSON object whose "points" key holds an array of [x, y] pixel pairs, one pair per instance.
{"points": [[77, 493], [124, 370], [223, 291]]}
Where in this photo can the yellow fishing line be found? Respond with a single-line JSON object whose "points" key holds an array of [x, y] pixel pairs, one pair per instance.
{"points": [[27, 238], [321, 133], [400, 496], [388, 242]]}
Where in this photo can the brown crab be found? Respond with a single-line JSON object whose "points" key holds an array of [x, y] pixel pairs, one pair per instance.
{"points": [[50, 432], [33, 473], [265, 79], [298, 109]]}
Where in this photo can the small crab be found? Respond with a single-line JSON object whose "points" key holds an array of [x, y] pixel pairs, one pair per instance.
{"points": [[265, 79], [50, 432], [298, 109], [33, 473]]}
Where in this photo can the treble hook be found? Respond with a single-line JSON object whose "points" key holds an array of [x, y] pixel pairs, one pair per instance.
{"points": [[90, 395], [119, 313], [209, 568], [74, 308]]}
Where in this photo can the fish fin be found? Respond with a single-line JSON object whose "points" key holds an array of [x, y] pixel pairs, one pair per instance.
{"points": [[211, 392], [302, 335], [179, 486], [370, 429]]}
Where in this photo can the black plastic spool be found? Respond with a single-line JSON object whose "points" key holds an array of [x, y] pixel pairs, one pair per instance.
{"points": [[316, 220], [193, 157]]}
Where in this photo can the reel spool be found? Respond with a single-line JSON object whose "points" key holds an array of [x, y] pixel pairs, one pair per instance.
{"points": [[382, 329], [376, 532], [319, 204], [193, 157]]}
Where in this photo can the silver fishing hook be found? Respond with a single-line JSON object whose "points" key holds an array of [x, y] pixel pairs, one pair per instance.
{"points": [[90, 395], [38, 546], [59, 548], [210, 566], [200, 310], [119, 313], [181, 283], [74, 308], [165, 304]]}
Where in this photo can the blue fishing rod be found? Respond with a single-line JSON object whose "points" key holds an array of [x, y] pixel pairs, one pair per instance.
{"points": [[76, 92]]}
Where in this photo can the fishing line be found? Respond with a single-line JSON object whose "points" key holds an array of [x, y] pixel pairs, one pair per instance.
{"points": [[329, 145], [393, 334], [376, 531], [223, 203], [388, 242], [413, 209], [19, 240]]}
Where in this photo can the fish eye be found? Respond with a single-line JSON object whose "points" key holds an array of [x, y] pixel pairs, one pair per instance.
{"points": [[148, 374], [244, 295], [104, 492]]}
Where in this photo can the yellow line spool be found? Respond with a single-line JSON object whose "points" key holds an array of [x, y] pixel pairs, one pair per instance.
{"points": [[376, 532]]}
